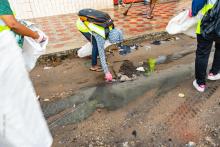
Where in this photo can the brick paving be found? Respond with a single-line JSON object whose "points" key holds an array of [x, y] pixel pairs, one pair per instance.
{"points": [[64, 35]]}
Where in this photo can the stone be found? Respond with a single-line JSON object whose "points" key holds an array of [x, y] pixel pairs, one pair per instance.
{"points": [[191, 144], [181, 95]]}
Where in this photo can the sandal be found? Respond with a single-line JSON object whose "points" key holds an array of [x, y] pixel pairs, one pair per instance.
{"points": [[97, 69], [150, 17]]}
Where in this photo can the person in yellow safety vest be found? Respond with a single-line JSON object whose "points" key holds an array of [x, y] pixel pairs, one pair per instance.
{"points": [[17, 92], [97, 36], [199, 9]]}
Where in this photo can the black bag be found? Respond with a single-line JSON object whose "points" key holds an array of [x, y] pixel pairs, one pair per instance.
{"points": [[97, 17], [210, 25]]}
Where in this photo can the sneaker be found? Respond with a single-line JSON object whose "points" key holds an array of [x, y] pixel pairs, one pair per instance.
{"points": [[200, 88], [213, 77]]}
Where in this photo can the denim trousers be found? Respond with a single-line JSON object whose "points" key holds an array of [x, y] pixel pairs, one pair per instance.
{"points": [[95, 51]]}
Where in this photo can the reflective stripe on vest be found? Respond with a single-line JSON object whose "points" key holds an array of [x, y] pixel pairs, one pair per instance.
{"points": [[82, 27], [88, 27], [202, 12], [3, 27]]}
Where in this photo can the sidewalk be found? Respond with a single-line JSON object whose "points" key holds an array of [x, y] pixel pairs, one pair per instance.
{"points": [[64, 35]]}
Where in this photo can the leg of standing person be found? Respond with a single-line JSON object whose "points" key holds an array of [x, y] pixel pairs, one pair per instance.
{"points": [[151, 9], [214, 72], [202, 56]]}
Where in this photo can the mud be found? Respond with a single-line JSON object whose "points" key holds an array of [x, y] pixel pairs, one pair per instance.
{"points": [[127, 68], [152, 120]]}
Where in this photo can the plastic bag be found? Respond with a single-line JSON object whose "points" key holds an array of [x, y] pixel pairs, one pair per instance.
{"points": [[21, 120], [86, 50], [33, 50], [182, 23]]}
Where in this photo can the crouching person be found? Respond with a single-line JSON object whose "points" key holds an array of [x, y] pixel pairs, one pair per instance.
{"points": [[98, 27]]}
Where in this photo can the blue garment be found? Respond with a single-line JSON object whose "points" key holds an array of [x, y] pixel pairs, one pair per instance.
{"points": [[197, 5], [95, 52]]}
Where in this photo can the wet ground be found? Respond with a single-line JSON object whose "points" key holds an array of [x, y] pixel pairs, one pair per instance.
{"points": [[177, 117], [160, 119]]}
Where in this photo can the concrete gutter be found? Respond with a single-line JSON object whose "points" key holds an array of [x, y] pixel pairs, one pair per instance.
{"points": [[112, 96]]}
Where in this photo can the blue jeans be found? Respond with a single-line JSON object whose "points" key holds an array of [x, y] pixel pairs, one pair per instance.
{"points": [[202, 56], [95, 51]]}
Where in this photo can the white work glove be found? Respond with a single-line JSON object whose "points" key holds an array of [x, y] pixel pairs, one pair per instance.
{"points": [[42, 37]]}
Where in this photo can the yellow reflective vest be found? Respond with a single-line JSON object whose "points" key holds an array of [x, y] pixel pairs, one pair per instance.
{"points": [[3, 26], [203, 11], [87, 27]]}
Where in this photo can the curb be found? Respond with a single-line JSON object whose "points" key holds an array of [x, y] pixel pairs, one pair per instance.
{"points": [[59, 56]]}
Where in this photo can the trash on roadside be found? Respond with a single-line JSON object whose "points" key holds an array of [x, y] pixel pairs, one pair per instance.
{"points": [[124, 78], [147, 48], [181, 95], [151, 64], [161, 59], [125, 49], [127, 68], [156, 42], [191, 144], [46, 100], [47, 68], [140, 69], [125, 144]]}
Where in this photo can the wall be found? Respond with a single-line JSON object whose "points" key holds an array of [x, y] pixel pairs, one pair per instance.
{"points": [[42, 8]]}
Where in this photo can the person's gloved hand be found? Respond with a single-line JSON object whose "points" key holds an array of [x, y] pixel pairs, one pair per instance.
{"points": [[41, 38], [190, 13], [108, 77]]}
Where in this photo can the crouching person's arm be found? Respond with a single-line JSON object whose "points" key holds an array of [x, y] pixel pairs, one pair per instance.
{"points": [[101, 50]]}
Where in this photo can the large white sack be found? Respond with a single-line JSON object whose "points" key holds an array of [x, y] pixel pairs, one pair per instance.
{"points": [[33, 50], [182, 23], [86, 50], [22, 123]]}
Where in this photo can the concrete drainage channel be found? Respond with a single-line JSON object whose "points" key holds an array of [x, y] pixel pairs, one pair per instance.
{"points": [[112, 96]]}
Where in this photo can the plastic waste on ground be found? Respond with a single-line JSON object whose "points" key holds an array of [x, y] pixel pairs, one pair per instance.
{"points": [[182, 23], [86, 50], [22, 123]]}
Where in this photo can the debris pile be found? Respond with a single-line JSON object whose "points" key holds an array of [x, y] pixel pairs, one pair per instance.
{"points": [[127, 71]]}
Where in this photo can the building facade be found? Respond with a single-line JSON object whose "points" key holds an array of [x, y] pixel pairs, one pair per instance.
{"points": [[41, 8]]}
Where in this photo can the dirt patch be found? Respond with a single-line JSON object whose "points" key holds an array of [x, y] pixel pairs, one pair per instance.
{"points": [[63, 78], [127, 68], [151, 120]]}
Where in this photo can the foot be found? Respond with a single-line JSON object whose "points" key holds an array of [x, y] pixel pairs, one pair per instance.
{"points": [[150, 17], [200, 88], [213, 77], [96, 68]]}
